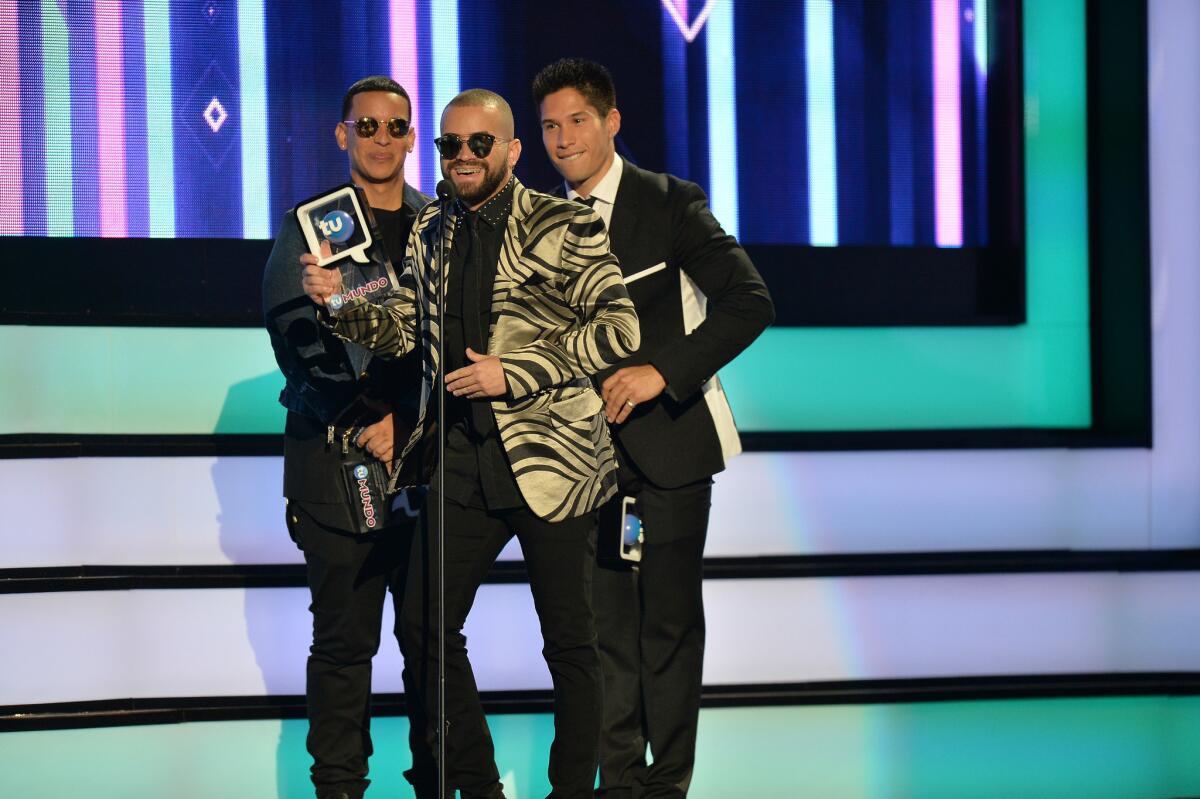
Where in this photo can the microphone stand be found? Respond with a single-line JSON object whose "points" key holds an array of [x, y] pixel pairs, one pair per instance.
{"points": [[446, 194]]}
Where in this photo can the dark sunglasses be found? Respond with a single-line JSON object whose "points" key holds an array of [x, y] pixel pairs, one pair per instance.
{"points": [[367, 127], [480, 144]]}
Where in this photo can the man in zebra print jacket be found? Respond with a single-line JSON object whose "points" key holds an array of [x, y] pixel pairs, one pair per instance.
{"points": [[528, 452]]}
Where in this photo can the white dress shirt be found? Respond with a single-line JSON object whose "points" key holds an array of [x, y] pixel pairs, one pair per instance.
{"points": [[605, 192]]}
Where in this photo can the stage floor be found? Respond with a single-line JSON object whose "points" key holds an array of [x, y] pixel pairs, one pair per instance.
{"points": [[1123, 748]]}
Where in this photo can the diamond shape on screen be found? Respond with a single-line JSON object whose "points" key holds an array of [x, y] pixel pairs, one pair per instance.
{"points": [[208, 114]]}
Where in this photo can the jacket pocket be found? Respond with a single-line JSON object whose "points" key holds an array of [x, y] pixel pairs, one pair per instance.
{"points": [[577, 407]]}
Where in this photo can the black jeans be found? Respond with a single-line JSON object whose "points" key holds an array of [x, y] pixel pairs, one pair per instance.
{"points": [[560, 559], [651, 633], [349, 576]]}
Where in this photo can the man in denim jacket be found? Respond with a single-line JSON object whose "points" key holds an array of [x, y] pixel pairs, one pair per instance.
{"points": [[343, 406]]}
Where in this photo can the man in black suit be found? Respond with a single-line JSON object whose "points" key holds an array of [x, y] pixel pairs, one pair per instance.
{"points": [[342, 407], [700, 302]]}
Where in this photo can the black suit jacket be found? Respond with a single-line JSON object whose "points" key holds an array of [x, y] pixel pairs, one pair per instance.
{"points": [[660, 219]]}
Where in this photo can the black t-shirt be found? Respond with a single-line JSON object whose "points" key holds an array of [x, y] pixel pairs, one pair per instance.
{"points": [[477, 470], [395, 227]]}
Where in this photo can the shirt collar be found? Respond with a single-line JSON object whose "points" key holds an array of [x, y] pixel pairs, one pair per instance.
{"points": [[606, 189], [496, 210]]}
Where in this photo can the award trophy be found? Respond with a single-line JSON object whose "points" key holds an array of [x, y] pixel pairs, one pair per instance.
{"points": [[338, 229]]}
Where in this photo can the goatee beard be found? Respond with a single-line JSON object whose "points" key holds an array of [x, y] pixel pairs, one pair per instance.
{"points": [[491, 181]]}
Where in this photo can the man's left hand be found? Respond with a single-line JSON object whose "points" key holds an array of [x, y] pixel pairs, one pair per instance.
{"points": [[483, 378], [379, 440], [626, 388]]}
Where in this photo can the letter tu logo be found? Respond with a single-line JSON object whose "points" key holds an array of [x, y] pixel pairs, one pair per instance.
{"points": [[337, 226], [360, 472]]}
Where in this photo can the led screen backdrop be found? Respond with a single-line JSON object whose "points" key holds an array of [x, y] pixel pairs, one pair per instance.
{"points": [[1032, 374], [858, 122]]}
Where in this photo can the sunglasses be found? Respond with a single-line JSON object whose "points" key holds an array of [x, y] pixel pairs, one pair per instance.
{"points": [[367, 127], [480, 144]]}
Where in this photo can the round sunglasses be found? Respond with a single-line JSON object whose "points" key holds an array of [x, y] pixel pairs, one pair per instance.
{"points": [[367, 127], [480, 144]]}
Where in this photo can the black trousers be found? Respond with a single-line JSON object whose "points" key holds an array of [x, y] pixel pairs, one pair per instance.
{"points": [[349, 576], [650, 624], [560, 558]]}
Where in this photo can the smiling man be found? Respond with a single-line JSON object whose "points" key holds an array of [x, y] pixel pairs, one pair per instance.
{"points": [[701, 302], [534, 306]]}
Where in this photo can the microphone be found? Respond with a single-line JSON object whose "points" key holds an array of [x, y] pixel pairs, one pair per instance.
{"points": [[446, 194]]}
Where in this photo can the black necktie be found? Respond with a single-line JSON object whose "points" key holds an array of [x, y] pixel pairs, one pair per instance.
{"points": [[590, 202], [474, 305], [472, 332]]}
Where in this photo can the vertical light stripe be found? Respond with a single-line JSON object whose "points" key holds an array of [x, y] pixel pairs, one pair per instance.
{"points": [[981, 36], [160, 120], [254, 122], [402, 19], [822, 133], [110, 118], [443, 22], [722, 117], [981, 117], [11, 188], [947, 125], [56, 97], [675, 90]]}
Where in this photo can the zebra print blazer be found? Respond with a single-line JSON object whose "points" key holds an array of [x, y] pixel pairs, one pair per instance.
{"points": [[560, 313]]}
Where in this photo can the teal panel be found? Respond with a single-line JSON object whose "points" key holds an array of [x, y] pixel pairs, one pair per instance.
{"points": [[1056, 163], [904, 378], [137, 380], [1112, 748]]}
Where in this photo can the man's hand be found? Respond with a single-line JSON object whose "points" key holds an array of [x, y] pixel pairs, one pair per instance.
{"points": [[483, 378], [319, 282], [626, 388], [379, 440]]}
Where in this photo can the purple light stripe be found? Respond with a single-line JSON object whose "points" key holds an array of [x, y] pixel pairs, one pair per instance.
{"points": [[405, 69], [981, 82], [137, 192], [947, 125], [110, 119], [12, 199], [31, 68]]}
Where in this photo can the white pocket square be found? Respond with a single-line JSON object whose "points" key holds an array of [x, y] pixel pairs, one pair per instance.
{"points": [[648, 271]]}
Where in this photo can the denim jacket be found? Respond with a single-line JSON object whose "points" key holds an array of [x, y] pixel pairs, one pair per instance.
{"points": [[322, 372]]}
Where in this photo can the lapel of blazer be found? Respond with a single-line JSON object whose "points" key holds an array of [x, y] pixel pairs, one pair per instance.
{"points": [[431, 323], [426, 277], [623, 227], [510, 271], [515, 235]]}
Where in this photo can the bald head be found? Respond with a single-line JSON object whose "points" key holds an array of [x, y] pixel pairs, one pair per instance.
{"points": [[483, 98]]}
